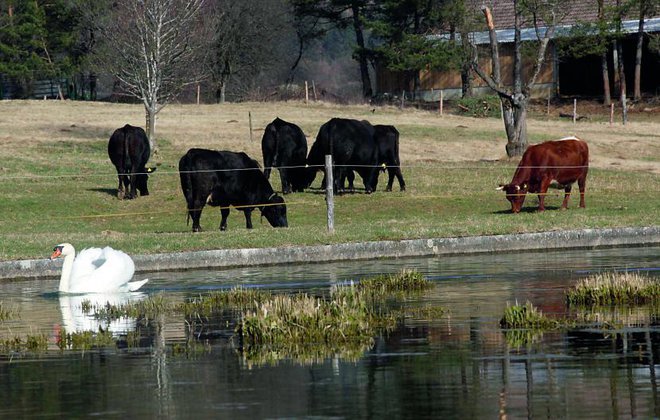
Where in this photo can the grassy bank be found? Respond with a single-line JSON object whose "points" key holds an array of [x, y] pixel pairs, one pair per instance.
{"points": [[58, 184]]}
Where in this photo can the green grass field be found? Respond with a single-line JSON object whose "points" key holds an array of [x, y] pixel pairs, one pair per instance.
{"points": [[58, 184]]}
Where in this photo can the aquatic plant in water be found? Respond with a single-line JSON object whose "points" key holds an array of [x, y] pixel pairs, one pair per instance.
{"points": [[7, 313], [30, 343], [526, 316], [612, 288], [313, 327]]}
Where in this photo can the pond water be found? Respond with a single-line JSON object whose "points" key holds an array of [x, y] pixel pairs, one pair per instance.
{"points": [[461, 365]]}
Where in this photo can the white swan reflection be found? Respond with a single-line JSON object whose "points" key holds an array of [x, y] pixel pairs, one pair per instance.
{"points": [[79, 312]]}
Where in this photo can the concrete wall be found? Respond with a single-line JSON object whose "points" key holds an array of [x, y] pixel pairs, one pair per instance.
{"points": [[573, 239]]}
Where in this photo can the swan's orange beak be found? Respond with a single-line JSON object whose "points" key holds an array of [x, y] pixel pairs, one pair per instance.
{"points": [[57, 251]]}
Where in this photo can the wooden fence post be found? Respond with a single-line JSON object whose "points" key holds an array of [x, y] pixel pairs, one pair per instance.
{"points": [[314, 91], [306, 93], [198, 93], [329, 197], [574, 110], [611, 114], [442, 101], [250, 118]]}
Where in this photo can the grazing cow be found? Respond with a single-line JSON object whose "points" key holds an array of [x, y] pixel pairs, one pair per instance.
{"points": [[352, 146], [129, 151], [284, 146], [387, 139], [221, 178], [565, 160]]}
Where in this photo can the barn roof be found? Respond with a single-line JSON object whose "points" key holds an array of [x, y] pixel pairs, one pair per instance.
{"points": [[580, 11]]}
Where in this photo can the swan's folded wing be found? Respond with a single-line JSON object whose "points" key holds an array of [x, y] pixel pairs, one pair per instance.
{"points": [[86, 263], [117, 270]]}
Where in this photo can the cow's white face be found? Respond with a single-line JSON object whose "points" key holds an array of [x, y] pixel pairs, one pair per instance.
{"points": [[515, 194]]}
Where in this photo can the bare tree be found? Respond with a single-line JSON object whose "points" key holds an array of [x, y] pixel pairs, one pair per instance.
{"points": [[251, 45], [150, 47], [646, 8], [544, 17]]}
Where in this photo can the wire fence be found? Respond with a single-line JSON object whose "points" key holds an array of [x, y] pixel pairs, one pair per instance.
{"points": [[502, 172]]}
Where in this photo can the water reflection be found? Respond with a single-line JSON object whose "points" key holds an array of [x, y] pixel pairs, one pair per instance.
{"points": [[458, 366], [88, 312]]}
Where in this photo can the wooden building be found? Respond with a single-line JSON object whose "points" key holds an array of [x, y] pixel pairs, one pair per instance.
{"points": [[558, 77]]}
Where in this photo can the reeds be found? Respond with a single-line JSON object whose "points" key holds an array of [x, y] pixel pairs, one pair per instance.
{"points": [[7, 313], [30, 343], [85, 340], [309, 328], [405, 281], [526, 316], [614, 288]]}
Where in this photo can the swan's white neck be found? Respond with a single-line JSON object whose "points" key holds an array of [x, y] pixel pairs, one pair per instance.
{"points": [[65, 279]]}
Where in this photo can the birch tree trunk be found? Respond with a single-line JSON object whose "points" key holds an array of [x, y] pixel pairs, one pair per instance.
{"points": [[515, 100]]}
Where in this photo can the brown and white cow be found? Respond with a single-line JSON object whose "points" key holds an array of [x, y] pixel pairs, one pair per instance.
{"points": [[565, 161]]}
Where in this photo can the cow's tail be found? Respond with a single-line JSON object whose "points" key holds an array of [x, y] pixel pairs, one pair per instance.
{"points": [[126, 152], [186, 183]]}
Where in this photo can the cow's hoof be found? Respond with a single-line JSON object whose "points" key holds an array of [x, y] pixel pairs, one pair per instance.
{"points": [[402, 189], [120, 195], [197, 229], [388, 189]]}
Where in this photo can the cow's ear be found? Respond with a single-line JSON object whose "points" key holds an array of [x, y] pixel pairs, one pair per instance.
{"points": [[150, 170]]}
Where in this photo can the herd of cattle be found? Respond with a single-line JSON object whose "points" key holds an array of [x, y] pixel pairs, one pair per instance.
{"points": [[224, 178]]}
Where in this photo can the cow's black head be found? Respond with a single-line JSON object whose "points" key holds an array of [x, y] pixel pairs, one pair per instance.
{"points": [[515, 194], [275, 211]]}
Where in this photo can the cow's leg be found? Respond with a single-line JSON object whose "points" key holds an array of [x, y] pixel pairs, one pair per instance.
{"points": [[543, 191], [133, 183], [248, 218], [390, 179], [284, 178], [567, 195], [120, 187], [339, 179], [224, 211], [582, 184], [195, 213], [324, 182], [142, 182], [399, 177], [350, 176], [371, 179]]}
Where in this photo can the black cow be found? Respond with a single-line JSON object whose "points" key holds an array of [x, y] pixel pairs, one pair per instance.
{"points": [[284, 146], [352, 146], [129, 151], [387, 139], [221, 178]]}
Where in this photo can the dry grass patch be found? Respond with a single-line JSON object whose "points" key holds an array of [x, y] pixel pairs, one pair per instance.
{"points": [[613, 288]]}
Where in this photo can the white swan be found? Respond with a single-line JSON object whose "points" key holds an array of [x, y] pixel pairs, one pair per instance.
{"points": [[95, 270], [79, 312]]}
